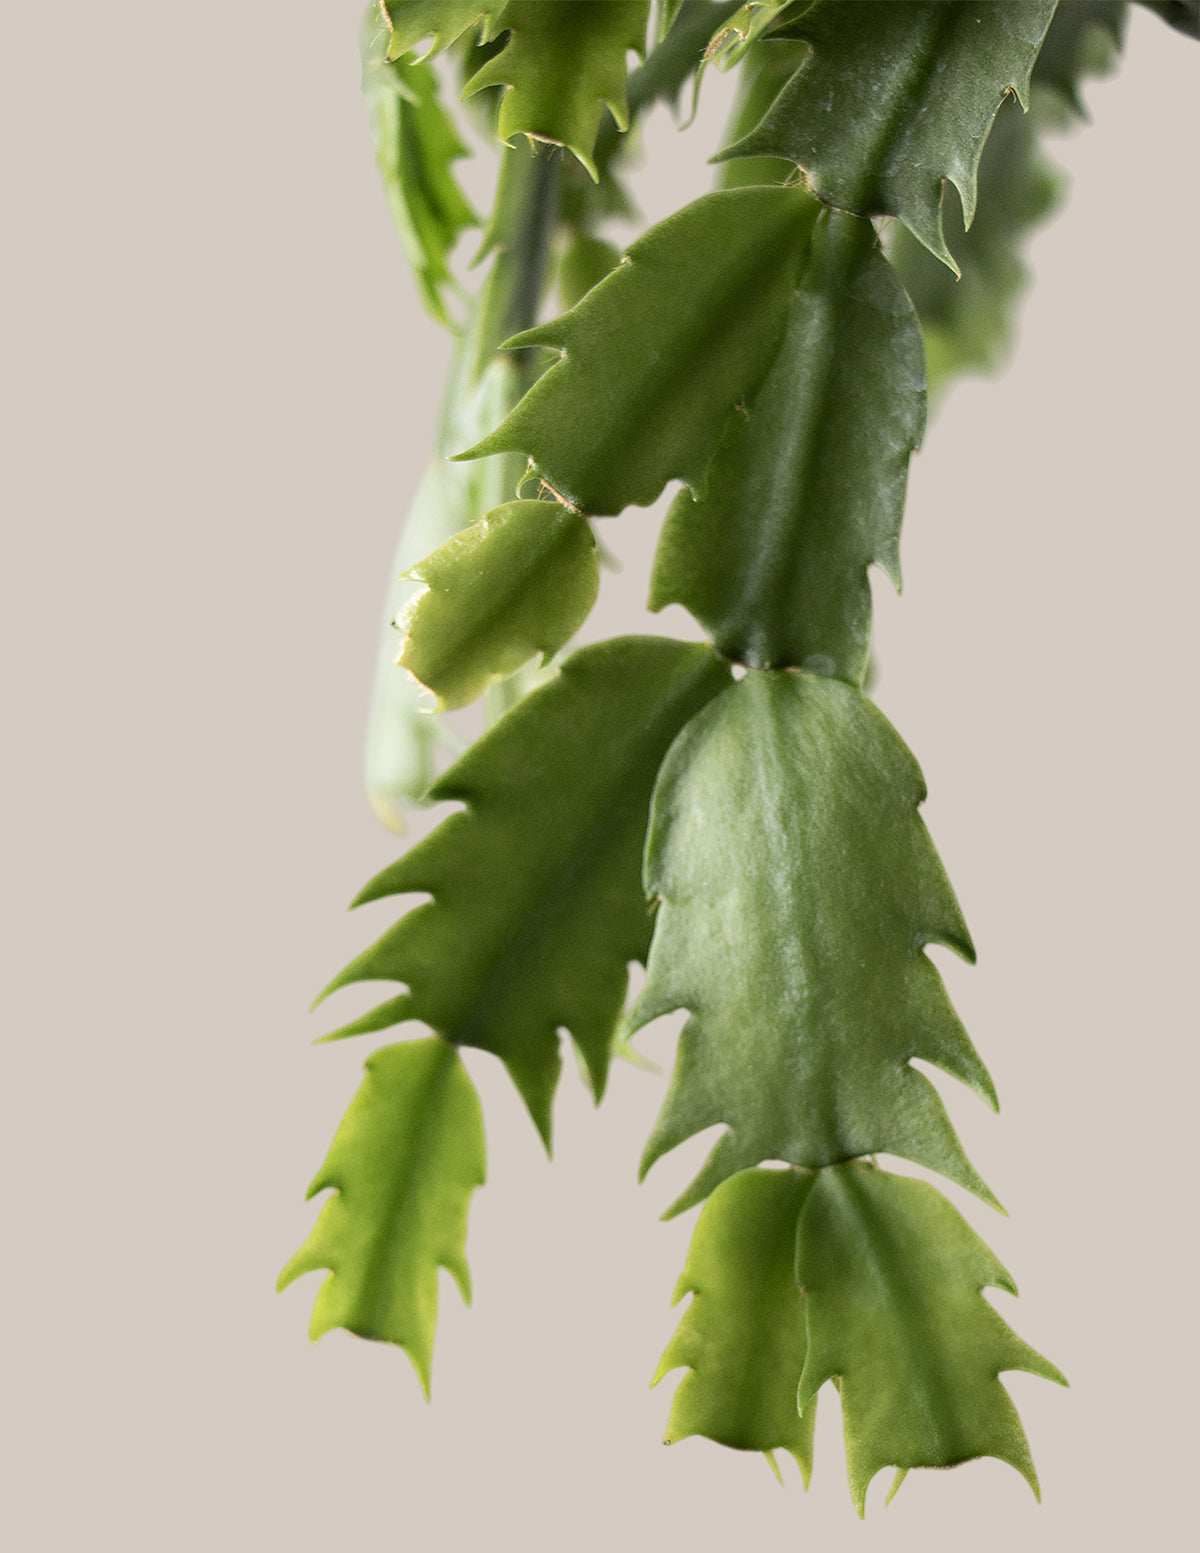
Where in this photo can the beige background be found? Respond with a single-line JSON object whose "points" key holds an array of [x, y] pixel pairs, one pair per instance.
{"points": [[219, 395]]}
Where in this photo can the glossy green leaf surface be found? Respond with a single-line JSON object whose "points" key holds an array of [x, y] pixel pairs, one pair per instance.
{"points": [[897, 99], [742, 1338], [968, 322], [537, 905], [403, 1164], [892, 1275], [517, 583], [798, 887], [415, 145], [562, 65], [807, 488], [656, 356]]}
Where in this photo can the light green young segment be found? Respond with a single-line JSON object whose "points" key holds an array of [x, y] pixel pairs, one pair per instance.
{"points": [[743, 28], [403, 1164], [562, 65], [892, 1278], [894, 99], [537, 905], [403, 734], [415, 145], [405, 23], [519, 582], [742, 1338], [807, 488], [656, 356], [798, 886]]}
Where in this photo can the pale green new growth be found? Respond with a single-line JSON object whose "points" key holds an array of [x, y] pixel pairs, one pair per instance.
{"points": [[415, 145], [406, 1158], [748, 23], [742, 1338], [403, 736], [519, 582], [407, 22]]}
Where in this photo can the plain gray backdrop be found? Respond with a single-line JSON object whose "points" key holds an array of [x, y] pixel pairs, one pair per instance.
{"points": [[219, 395]]}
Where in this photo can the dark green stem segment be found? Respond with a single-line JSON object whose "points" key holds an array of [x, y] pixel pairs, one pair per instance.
{"points": [[806, 490], [521, 233], [522, 229]]}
